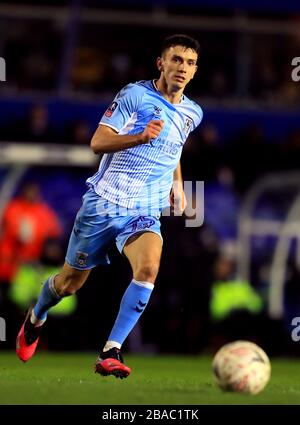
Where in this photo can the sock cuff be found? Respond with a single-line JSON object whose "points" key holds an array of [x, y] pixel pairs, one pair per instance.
{"points": [[35, 321], [52, 287], [148, 285], [111, 344]]}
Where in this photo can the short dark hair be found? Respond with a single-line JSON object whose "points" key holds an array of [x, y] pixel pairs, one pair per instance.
{"points": [[180, 40]]}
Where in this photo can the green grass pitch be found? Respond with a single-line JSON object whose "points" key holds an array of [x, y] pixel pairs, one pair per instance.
{"points": [[66, 379]]}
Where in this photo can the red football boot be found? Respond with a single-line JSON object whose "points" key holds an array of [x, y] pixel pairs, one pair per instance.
{"points": [[111, 363], [27, 339]]}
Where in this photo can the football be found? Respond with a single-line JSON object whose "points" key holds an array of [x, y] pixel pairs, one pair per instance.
{"points": [[241, 366]]}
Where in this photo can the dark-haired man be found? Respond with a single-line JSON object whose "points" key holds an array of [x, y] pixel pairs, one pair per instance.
{"points": [[141, 135]]}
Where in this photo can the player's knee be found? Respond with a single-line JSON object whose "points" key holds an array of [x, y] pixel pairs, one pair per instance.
{"points": [[147, 272]]}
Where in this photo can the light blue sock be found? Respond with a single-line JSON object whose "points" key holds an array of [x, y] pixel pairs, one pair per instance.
{"points": [[133, 303], [47, 298]]}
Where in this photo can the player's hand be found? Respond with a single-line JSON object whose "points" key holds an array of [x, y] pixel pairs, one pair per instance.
{"points": [[178, 198], [152, 130]]}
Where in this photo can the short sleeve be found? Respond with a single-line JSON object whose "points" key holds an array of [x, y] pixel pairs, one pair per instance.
{"points": [[124, 105], [198, 115]]}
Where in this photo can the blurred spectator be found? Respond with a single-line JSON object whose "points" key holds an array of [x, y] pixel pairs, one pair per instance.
{"points": [[79, 134], [235, 306], [34, 128], [203, 154], [38, 70], [118, 73], [26, 284], [265, 79], [251, 155], [32, 50], [27, 222], [222, 204], [25, 289], [289, 91], [219, 84], [14, 50], [185, 286], [290, 151], [88, 70]]}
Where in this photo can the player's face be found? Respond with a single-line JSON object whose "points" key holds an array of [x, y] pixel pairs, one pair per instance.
{"points": [[178, 66]]}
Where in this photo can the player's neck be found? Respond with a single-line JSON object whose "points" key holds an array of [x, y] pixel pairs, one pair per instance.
{"points": [[171, 94]]}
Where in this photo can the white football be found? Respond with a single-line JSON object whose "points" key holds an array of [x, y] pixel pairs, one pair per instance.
{"points": [[241, 366]]}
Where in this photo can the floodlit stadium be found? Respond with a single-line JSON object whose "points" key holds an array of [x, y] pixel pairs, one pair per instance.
{"points": [[198, 147]]}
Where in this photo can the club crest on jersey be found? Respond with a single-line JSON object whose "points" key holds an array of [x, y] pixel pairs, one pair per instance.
{"points": [[187, 125], [157, 111], [111, 109]]}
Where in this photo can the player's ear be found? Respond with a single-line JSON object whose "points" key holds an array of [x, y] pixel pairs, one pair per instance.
{"points": [[159, 63]]}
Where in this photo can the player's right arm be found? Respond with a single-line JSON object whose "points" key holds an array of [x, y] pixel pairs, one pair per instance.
{"points": [[107, 140]]}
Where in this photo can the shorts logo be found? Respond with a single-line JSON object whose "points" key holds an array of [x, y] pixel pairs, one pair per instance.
{"points": [[81, 258], [142, 223], [187, 125], [111, 109]]}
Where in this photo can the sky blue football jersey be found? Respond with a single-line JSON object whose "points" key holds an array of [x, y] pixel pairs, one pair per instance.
{"points": [[142, 176]]}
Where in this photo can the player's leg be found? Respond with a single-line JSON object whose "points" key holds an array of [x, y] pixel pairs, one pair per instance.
{"points": [[67, 282], [143, 251], [87, 247]]}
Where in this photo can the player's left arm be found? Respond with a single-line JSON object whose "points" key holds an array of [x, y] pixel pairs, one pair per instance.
{"points": [[177, 195]]}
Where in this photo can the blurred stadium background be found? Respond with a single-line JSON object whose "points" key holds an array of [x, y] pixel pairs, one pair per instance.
{"points": [[237, 276]]}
